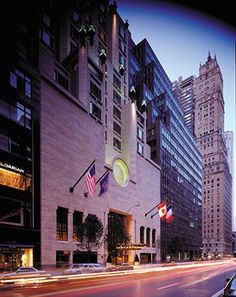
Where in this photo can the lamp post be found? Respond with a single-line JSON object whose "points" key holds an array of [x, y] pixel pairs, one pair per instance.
{"points": [[135, 205]]}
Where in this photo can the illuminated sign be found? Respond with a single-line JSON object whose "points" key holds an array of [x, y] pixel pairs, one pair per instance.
{"points": [[12, 167], [131, 246]]}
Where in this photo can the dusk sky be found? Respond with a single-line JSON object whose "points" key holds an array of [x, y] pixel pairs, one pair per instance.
{"points": [[181, 38]]}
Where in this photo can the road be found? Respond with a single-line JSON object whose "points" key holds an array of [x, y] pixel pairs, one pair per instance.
{"points": [[181, 281]]}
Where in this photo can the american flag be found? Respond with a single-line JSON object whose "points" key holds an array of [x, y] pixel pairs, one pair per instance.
{"points": [[90, 180]]}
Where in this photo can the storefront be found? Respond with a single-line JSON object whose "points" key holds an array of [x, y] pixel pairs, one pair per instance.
{"points": [[14, 256]]}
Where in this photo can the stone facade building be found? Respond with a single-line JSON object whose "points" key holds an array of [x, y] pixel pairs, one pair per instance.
{"points": [[70, 71], [217, 180]]}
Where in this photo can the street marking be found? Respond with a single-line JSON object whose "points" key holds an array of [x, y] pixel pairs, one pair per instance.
{"points": [[168, 286], [218, 294]]}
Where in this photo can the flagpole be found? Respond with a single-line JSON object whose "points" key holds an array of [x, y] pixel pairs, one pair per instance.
{"points": [[154, 214], [86, 193], [102, 176], [151, 210], [72, 188]]}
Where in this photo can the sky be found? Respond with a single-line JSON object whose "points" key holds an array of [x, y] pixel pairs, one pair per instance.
{"points": [[181, 37]]}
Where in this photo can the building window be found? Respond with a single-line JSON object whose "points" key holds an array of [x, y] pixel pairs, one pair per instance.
{"points": [[116, 82], [148, 237], [140, 133], [116, 98], [142, 234], [20, 82], [58, 77], [153, 237], [75, 16], [95, 91], [117, 128], [62, 224], [74, 33], [140, 148], [122, 46], [102, 36], [77, 226], [116, 143], [122, 60], [18, 113], [122, 32], [95, 111], [116, 113], [46, 38]]}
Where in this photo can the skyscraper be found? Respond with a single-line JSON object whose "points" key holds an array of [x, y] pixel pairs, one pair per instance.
{"points": [[229, 142], [174, 148], [217, 180], [184, 91]]}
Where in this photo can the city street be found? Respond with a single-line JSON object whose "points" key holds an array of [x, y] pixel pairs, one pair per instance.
{"points": [[203, 279]]}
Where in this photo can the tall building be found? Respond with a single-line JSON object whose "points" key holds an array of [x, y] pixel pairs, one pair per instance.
{"points": [[66, 102], [229, 142], [217, 180], [184, 91], [19, 136], [174, 148]]}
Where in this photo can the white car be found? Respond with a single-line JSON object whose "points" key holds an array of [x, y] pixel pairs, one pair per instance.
{"points": [[24, 272], [84, 268]]}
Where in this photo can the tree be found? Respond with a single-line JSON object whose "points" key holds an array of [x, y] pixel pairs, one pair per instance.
{"points": [[92, 231], [116, 234]]}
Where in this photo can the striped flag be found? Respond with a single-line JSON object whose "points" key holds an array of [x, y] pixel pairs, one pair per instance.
{"points": [[169, 214], [90, 180]]}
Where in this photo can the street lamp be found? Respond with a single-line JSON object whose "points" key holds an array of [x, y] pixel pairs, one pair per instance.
{"points": [[136, 205]]}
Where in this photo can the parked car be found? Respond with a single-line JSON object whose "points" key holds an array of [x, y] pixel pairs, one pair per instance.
{"points": [[25, 272], [230, 287], [84, 268]]}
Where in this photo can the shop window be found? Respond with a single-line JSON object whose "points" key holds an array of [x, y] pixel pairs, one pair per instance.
{"points": [[62, 258], [11, 212], [14, 179], [62, 224]]}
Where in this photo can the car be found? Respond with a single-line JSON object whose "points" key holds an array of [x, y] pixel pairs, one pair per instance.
{"points": [[124, 266], [25, 272], [230, 287], [84, 268], [119, 267]]}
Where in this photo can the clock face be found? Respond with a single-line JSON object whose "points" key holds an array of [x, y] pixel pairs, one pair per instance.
{"points": [[121, 172]]}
